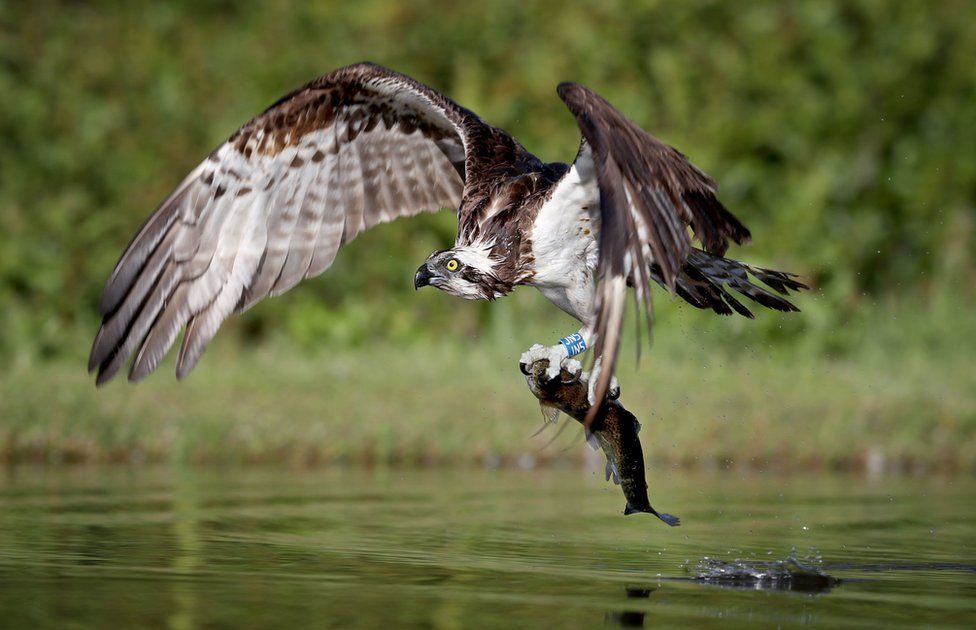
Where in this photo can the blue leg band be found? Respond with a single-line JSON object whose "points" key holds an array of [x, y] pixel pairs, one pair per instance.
{"points": [[574, 344]]}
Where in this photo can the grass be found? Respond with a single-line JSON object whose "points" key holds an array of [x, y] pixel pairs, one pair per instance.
{"points": [[905, 397]]}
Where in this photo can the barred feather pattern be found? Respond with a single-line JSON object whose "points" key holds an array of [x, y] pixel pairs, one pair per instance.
{"points": [[271, 206]]}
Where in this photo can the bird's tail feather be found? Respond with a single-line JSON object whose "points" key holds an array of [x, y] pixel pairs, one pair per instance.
{"points": [[705, 280]]}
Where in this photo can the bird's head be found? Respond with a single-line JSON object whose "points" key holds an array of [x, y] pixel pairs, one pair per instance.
{"points": [[465, 271]]}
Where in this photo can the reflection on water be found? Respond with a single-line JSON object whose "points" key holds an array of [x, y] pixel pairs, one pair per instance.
{"points": [[630, 618], [461, 548]]}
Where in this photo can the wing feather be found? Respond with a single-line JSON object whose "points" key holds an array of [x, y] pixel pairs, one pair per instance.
{"points": [[145, 243], [650, 195], [353, 149], [328, 239], [241, 259]]}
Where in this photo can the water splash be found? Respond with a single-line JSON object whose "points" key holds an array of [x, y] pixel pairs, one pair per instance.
{"points": [[792, 574]]}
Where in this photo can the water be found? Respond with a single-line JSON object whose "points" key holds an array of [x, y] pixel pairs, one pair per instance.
{"points": [[275, 548]]}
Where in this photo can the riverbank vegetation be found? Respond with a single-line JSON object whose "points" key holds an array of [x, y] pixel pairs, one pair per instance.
{"points": [[704, 401]]}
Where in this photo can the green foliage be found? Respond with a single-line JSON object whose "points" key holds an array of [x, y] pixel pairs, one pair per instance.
{"points": [[841, 131]]}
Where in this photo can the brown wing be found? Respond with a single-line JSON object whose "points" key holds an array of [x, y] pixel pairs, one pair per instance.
{"points": [[358, 147], [649, 195]]}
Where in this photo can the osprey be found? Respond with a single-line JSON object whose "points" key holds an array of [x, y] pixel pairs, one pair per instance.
{"points": [[365, 145]]}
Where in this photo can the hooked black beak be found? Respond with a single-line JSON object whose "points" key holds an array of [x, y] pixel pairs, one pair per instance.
{"points": [[422, 278]]}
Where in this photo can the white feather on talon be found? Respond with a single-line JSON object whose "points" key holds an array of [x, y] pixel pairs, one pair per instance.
{"points": [[613, 392], [555, 355], [573, 366]]}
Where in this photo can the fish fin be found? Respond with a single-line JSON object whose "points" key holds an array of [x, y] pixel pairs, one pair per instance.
{"points": [[670, 519], [630, 509], [549, 414], [612, 472]]}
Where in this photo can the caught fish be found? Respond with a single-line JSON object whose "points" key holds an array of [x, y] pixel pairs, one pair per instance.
{"points": [[614, 431]]}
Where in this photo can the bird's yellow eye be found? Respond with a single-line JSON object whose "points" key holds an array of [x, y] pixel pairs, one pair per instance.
{"points": [[453, 264]]}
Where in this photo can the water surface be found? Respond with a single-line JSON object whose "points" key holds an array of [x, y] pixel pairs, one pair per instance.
{"points": [[127, 547]]}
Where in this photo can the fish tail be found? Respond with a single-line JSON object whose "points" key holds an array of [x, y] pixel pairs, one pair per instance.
{"points": [[669, 519]]}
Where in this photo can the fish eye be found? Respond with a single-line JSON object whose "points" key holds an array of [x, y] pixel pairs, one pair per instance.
{"points": [[453, 264]]}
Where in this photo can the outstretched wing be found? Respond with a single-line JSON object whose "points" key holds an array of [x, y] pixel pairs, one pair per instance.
{"points": [[355, 148], [649, 196]]}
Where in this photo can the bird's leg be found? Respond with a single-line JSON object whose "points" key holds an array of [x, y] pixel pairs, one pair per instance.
{"points": [[613, 393], [558, 355]]}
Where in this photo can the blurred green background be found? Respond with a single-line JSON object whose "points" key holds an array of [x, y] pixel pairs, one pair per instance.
{"points": [[843, 133]]}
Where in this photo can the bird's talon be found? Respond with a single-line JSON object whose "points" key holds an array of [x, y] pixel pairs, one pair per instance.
{"points": [[553, 357], [572, 379], [575, 368]]}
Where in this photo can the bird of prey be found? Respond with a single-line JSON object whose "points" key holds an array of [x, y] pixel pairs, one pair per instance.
{"points": [[365, 145]]}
